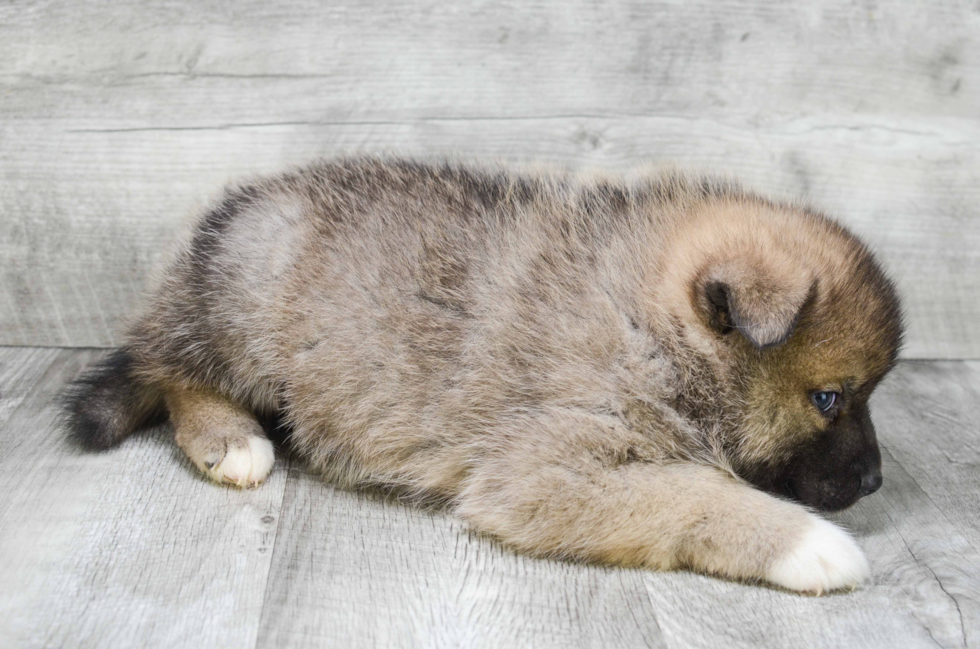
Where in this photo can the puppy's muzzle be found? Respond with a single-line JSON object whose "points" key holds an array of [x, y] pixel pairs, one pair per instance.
{"points": [[870, 482]]}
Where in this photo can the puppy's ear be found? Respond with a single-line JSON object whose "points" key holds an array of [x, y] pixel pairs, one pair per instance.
{"points": [[760, 301]]}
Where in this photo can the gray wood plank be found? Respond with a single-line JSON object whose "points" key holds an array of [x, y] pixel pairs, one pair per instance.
{"points": [[925, 590], [118, 121], [128, 548], [395, 60], [927, 415], [920, 533], [351, 570], [355, 570], [132, 548], [91, 213], [20, 371]]}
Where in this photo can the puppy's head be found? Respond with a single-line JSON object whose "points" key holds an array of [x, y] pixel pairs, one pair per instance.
{"points": [[805, 324]]}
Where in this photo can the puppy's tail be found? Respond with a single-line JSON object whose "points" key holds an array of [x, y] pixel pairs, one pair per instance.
{"points": [[107, 403]]}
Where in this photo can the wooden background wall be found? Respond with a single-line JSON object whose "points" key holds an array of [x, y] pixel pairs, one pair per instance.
{"points": [[118, 121]]}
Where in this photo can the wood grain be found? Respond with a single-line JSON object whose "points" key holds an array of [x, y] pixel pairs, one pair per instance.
{"points": [[920, 533], [398, 61], [133, 548], [119, 121], [927, 416], [128, 548], [925, 591], [352, 570]]}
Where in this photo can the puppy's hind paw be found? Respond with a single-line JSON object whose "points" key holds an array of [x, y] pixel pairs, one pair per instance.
{"points": [[825, 559], [245, 465]]}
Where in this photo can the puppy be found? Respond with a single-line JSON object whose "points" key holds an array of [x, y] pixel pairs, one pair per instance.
{"points": [[643, 371]]}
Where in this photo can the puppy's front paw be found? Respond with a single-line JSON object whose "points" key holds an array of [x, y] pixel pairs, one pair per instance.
{"points": [[245, 465], [826, 558]]}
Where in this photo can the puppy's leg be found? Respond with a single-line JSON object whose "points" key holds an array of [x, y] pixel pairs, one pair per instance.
{"points": [[223, 439], [579, 494]]}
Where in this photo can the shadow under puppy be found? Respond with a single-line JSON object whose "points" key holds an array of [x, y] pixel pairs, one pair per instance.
{"points": [[639, 370]]}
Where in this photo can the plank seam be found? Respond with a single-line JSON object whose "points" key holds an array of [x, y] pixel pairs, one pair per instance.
{"points": [[934, 576], [275, 543]]}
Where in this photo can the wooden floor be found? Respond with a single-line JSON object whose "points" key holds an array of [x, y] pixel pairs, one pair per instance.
{"points": [[118, 121], [132, 548]]}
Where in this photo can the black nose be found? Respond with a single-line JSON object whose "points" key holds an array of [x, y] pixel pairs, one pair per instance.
{"points": [[870, 482]]}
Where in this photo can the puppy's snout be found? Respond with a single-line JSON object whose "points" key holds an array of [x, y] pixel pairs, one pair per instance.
{"points": [[870, 482]]}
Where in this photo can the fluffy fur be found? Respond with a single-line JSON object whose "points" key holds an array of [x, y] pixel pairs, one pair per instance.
{"points": [[606, 369]]}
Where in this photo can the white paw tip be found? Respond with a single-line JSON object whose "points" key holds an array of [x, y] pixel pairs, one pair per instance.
{"points": [[824, 560], [246, 466]]}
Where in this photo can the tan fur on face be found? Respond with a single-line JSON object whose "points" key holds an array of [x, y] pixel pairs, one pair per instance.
{"points": [[779, 258], [535, 348]]}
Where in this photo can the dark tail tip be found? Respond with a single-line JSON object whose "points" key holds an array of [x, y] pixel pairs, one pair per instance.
{"points": [[104, 405]]}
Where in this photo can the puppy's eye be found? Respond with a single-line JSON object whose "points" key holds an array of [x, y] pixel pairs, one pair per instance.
{"points": [[824, 401]]}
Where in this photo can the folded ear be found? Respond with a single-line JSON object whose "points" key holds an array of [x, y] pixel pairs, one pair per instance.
{"points": [[760, 301]]}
